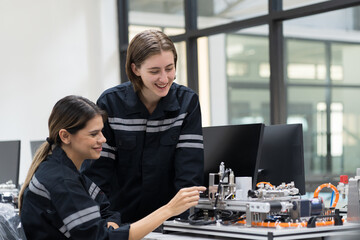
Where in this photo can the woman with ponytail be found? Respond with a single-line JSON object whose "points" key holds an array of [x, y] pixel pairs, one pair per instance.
{"points": [[56, 201]]}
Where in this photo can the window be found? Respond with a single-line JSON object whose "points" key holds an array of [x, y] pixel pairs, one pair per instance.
{"points": [[320, 69]]}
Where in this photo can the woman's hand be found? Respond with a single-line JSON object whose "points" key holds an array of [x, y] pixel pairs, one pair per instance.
{"points": [[112, 224], [184, 199]]}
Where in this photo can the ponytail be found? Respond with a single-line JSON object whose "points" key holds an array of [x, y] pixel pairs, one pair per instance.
{"points": [[70, 113], [40, 155]]}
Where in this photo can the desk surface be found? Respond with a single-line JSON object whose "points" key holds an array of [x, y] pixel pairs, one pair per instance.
{"points": [[182, 236], [176, 230]]}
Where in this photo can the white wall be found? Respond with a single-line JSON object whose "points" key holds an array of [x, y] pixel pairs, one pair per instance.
{"points": [[50, 49]]}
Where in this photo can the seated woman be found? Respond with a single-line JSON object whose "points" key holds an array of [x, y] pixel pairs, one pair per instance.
{"points": [[57, 202]]}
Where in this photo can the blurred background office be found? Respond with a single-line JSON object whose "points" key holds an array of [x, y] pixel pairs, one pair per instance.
{"points": [[251, 61]]}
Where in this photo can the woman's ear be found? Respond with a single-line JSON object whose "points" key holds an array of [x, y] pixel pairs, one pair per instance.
{"points": [[65, 136], [134, 69]]}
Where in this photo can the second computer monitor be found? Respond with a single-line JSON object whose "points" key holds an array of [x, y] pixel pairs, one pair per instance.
{"points": [[282, 155]]}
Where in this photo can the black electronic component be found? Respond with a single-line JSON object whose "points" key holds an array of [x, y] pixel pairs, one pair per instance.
{"points": [[275, 206]]}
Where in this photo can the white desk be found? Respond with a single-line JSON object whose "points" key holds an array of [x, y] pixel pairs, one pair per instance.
{"points": [[177, 230], [179, 236]]}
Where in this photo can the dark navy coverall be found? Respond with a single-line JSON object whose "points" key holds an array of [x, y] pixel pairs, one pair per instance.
{"points": [[148, 158], [61, 203]]}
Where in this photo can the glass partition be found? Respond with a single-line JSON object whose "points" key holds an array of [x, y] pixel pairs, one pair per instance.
{"points": [[322, 73], [289, 4], [165, 14], [217, 12]]}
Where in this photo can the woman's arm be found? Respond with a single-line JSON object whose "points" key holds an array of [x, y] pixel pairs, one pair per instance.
{"points": [[189, 153], [183, 200]]}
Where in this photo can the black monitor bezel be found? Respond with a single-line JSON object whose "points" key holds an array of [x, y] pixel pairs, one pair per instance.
{"points": [[255, 131]]}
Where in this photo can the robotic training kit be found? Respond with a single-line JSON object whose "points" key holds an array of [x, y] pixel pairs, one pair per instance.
{"points": [[230, 204]]}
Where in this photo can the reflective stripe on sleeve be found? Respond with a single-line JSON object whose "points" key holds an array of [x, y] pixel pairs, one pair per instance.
{"points": [[167, 121], [64, 231], [164, 128], [128, 128], [94, 190], [107, 146], [128, 121], [191, 137], [108, 155], [136, 125], [81, 217], [36, 187], [190, 145]]}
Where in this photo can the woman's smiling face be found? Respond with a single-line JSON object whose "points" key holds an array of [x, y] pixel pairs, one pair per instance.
{"points": [[157, 73], [85, 143]]}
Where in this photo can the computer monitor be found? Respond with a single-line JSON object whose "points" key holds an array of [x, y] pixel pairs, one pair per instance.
{"points": [[237, 146], [9, 161], [282, 156]]}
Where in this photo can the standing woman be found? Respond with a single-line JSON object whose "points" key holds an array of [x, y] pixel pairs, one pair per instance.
{"points": [[58, 202], [154, 134]]}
